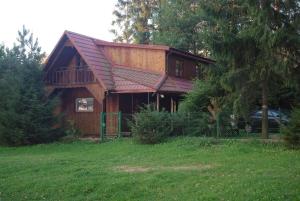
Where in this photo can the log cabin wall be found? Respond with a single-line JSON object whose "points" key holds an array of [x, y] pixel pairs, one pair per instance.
{"points": [[189, 66], [87, 122], [147, 59], [69, 60]]}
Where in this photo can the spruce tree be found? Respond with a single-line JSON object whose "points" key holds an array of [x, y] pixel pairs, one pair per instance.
{"points": [[180, 26], [26, 114], [134, 20], [253, 40]]}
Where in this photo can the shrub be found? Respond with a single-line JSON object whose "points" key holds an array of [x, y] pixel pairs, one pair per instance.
{"points": [[150, 126], [291, 132]]}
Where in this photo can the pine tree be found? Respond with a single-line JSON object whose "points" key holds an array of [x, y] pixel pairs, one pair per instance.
{"points": [[134, 20], [180, 25], [253, 39], [26, 115], [122, 22]]}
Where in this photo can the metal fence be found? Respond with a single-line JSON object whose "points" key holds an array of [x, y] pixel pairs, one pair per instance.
{"points": [[116, 124]]}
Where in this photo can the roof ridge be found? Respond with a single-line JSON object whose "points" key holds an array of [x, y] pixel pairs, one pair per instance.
{"points": [[82, 35]]}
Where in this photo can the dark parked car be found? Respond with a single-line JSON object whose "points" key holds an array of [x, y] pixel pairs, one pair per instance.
{"points": [[275, 119]]}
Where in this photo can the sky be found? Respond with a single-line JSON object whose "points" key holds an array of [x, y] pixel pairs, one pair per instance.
{"points": [[48, 19]]}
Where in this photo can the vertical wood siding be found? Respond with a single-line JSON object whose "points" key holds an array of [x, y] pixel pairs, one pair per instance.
{"points": [[87, 122], [147, 59], [189, 67]]}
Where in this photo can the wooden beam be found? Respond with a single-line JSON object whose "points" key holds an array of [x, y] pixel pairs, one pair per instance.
{"points": [[96, 91], [157, 102], [55, 58], [172, 105]]}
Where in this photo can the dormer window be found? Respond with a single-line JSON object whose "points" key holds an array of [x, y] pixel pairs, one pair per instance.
{"points": [[179, 68]]}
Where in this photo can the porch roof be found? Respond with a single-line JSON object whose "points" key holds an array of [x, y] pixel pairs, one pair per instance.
{"points": [[134, 80], [130, 80], [174, 84]]}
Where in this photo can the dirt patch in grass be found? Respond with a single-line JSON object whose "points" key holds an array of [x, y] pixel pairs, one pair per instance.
{"points": [[134, 169], [126, 168]]}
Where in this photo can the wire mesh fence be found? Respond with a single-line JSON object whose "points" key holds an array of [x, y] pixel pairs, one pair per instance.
{"points": [[193, 124]]}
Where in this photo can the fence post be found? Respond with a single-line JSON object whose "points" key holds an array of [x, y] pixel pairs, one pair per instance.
{"points": [[102, 126], [119, 123], [218, 125]]}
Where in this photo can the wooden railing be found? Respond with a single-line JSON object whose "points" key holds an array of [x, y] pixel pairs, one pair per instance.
{"points": [[64, 77]]}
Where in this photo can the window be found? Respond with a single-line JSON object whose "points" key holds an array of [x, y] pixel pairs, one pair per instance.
{"points": [[84, 104], [179, 68]]}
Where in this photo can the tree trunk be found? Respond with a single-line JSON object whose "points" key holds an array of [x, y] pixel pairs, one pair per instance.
{"points": [[264, 119]]}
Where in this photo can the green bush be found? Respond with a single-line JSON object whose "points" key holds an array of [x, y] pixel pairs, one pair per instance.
{"points": [[291, 132], [150, 126]]}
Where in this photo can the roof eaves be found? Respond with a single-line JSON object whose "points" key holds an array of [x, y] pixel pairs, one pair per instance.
{"points": [[54, 49], [127, 45], [188, 54]]}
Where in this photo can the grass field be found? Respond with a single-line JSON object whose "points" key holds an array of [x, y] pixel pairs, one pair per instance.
{"points": [[180, 169]]}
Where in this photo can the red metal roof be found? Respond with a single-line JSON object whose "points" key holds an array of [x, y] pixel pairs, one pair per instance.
{"points": [[94, 57], [127, 79], [145, 78], [133, 80], [174, 84], [122, 79], [127, 86]]}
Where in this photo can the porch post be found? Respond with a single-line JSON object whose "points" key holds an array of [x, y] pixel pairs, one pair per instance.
{"points": [[157, 101], [172, 105]]}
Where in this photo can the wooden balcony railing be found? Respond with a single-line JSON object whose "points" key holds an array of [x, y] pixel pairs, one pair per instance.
{"points": [[65, 77]]}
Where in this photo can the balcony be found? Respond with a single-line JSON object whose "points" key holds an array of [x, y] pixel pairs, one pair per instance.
{"points": [[70, 77]]}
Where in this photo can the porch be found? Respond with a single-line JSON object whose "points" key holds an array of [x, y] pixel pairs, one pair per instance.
{"points": [[121, 107]]}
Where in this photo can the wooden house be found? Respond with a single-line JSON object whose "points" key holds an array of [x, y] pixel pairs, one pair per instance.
{"points": [[95, 77]]}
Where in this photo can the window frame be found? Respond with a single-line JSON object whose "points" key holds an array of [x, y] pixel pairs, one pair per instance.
{"points": [[179, 69], [84, 111]]}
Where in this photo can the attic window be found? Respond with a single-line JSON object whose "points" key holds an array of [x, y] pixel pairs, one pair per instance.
{"points": [[179, 68], [84, 104]]}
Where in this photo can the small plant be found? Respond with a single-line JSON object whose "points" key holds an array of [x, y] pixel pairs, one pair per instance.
{"points": [[291, 132], [71, 131], [150, 126]]}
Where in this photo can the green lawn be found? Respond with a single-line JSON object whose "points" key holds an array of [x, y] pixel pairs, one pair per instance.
{"points": [[181, 169]]}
